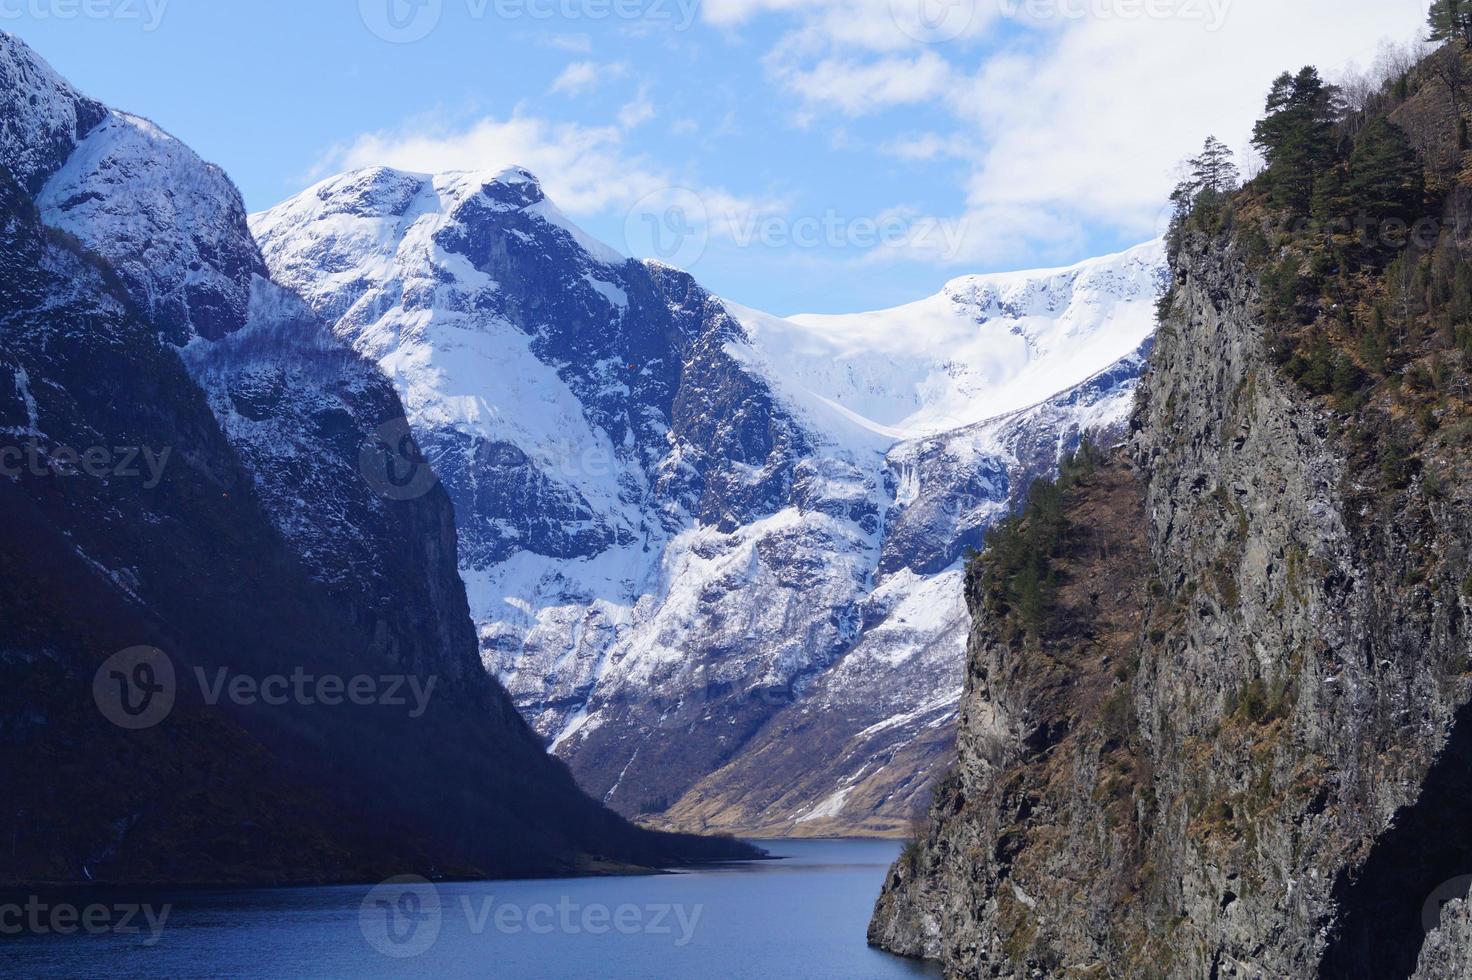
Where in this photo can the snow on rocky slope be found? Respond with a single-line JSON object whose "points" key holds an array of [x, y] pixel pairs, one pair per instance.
{"points": [[715, 555], [136, 310]]}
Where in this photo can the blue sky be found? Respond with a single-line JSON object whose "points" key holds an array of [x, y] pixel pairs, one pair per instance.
{"points": [[797, 155]]}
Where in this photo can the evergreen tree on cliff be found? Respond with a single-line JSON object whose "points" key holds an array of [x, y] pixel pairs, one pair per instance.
{"points": [[1297, 136], [1212, 178], [1385, 180], [1213, 171], [1451, 20]]}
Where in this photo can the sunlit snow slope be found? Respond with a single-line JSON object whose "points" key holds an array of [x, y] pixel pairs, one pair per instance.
{"points": [[983, 347]]}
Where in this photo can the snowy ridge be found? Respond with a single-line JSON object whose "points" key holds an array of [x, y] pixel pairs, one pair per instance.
{"points": [[172, 225], [985, 346], [173, 228], [41, 116]]}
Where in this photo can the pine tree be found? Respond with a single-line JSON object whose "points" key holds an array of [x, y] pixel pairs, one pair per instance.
{"points": [[1375, 342], [1213, 171], [1199, 201], [1296, 136], [1451, 20], [1385, 180], [1331, 209]]}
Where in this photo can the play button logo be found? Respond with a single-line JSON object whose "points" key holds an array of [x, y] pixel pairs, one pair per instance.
{"points": [[401, 21]]}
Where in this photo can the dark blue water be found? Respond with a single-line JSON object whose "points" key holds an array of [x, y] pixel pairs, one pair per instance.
{"points": [[798, 919]]}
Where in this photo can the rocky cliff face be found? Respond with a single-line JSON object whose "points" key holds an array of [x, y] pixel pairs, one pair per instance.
{"points": [[1448, 948], [1260, 777]]}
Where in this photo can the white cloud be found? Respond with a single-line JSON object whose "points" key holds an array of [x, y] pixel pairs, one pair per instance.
{"points": [[571, 43], [919, 147], [859, 87], [637, 112], [1069, 113], [1096, 122], [582, 77], [586, 170], [1060, 129]]}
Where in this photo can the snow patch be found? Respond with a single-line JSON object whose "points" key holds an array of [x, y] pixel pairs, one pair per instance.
{"points": [[830, 807]]}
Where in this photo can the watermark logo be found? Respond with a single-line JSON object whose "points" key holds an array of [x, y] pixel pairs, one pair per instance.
{"points": [[392, 464], [674, 225], [671, 225], [569, 918], [1448, 891], [38, 917], [1364, 230], [933, 21], [98, 462], [149, 13], [401, 917], [942, 238], [407, 21], [311, 690], [1212, 14], [135, 689], [401, 21]]}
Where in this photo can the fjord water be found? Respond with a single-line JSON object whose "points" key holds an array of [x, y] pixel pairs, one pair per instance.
{"points": [[800, 918]]}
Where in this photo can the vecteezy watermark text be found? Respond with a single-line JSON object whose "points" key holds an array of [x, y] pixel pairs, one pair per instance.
{"points": [[402, 917], [328, 690], [674, 225], [149, 12], [407, 21], [98, 462], [137, 689], [38, 917], [1211, 13]]}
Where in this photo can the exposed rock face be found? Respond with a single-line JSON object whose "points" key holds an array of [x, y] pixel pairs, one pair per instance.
{"points": [[886, 731], [1448, 949], [1279, 784], [41, 117]]}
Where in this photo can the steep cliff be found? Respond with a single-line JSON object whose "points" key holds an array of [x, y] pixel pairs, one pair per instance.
{"points": [[1268, 776], [138, 326]]}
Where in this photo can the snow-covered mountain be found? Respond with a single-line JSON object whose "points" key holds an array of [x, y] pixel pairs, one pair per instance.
{"points": [[137, 317], [716, 556]]}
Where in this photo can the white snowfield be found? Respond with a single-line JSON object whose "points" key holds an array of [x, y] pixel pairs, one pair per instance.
{"points": [[919, 426], [981, 348]]}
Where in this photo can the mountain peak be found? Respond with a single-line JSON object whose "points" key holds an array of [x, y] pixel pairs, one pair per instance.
{"points": [[173, 225], [432, 227], [41, 116], [377, 192]]}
